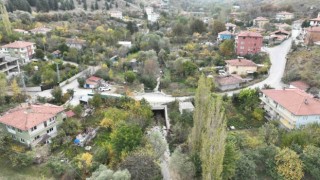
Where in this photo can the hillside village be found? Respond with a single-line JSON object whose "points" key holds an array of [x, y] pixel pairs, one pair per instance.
{"points": [[161, 89]]}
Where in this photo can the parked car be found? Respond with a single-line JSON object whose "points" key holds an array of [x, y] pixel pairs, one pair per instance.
{"points": [[104, 89]]}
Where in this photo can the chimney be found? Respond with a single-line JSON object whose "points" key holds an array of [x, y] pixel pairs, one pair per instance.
{"points": [[306, 102]]}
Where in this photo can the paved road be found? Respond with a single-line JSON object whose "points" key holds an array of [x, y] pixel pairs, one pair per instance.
{"points": [[278, 59]]}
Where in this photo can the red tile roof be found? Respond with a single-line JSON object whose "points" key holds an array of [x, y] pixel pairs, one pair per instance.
{"points": [[295, 101], [229, 80], [240, 62], [26, 117], [70, 113], [300, 85], [249, 34], [313, 29], [281, 32], [18, 44], [94, 79], [261, 19]]}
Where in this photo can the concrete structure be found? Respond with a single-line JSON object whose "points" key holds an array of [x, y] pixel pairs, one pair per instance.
{"points": [[312, 35], [153, 17], [21, 31], [281, 16], [240, 67], [32, 124], [224, 35], [292, 107], [185, 107], [40, 30], [75, 43], [148, 10], [260, 22], [93, 82], [9, 65], [127, 44], [20, 49], [116, 14], [248, 43], [229, 82], [315, 21]]}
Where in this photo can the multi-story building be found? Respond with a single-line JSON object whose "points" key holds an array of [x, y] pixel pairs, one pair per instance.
{"points": [[32, 124], [260, 22], [282, 16], [312, 35], [240, 66], [315, 21], [292, 107], [20, 49], [248, 42], [9, 65]]}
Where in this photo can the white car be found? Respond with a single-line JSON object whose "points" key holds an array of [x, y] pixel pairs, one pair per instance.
{"points": [[104, 89]]}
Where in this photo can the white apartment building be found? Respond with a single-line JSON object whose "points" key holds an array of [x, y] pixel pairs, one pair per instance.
{"points": [[9, 65], [20, 49], [292, 107]]}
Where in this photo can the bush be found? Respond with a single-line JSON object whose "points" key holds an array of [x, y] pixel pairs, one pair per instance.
{"points": [[129, 76], [81, 81], [149, 82]]}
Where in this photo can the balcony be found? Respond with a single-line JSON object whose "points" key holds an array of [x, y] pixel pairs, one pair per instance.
{"points": [[286, 124]]}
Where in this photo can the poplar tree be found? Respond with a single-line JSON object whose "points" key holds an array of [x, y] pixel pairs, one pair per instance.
{"points": [[202, 101], [213, 141], [5, 18]]}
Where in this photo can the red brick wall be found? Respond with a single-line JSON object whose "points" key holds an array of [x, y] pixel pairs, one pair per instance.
{"points": [[248, 45]]}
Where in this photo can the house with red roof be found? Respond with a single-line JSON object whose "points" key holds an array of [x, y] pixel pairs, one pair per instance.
{"points": [[240, 66], [300, 85], [312, 35], [229, 82], [20, 49], [33, 123], [248, 42], [93, 82], [293, 108]]}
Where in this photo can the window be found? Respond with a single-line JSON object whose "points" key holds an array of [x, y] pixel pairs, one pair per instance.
{"points": [[45, 124], [37, 137], [22, 140], [49, 130], [52, 119], [13, 136], [33, 128], [19, 130]]}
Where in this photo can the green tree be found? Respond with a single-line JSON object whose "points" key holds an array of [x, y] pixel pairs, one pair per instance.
{"points": [[96, 100], [39, 53], [246, 168], [125, 138], [181, 165], [141, 166], [289, 166], [269, 133], [103, 173], [3, 87], [202, 102], [217, 27], [71, 127], [16, 90], [56, 92], [189, 68], [230, 160], [227, 48], [311, 160], [213, 141], [197, 26], [129, 76]]}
